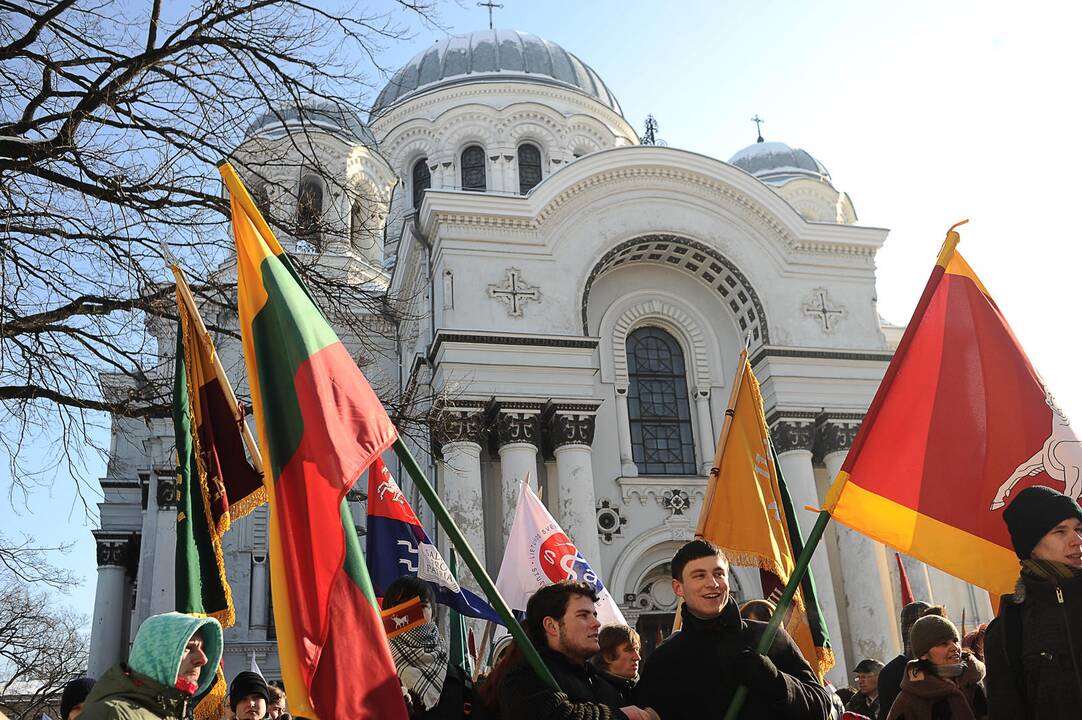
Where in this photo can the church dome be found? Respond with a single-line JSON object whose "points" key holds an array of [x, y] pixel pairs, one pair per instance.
{"points": [[777, 163], [318, 116], [493, 55]]}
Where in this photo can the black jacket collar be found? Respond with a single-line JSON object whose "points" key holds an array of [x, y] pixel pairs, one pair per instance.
{"points": [[729, 621]]}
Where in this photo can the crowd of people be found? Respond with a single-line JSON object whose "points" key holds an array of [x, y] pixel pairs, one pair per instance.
{"points": [[1026, 664]]}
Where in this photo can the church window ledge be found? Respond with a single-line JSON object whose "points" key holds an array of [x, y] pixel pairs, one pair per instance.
{"points": [[647, 487]]}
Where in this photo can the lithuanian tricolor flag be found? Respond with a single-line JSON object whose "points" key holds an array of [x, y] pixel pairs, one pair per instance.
{"points": [[320, 425], [961, 423], [748, 514]]}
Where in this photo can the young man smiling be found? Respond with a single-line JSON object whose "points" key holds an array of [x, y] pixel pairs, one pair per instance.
{"points": [[695, 673], [562, 623], [1034, 648]]}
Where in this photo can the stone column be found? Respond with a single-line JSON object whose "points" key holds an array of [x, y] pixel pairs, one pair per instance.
{"points": [[869, 602], [792, 441], [257, 602], [572, 435], [707, 438], [163, 577], [460, 434], [919, 582], [107, 636], [517, 433], [623, 432]]}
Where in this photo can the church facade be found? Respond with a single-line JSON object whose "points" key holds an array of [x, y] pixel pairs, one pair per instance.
{"points": [[576, 303]]}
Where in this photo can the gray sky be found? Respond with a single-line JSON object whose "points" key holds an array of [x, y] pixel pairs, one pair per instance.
{"points": [[925, 113]]}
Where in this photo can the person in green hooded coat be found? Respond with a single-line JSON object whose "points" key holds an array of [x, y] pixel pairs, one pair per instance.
{"points": [[174, 659]]}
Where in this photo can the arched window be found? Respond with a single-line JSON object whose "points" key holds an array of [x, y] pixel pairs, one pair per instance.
{"points": [[657, 400], [310, 211], [261, 196], [473, 168], [358, 217], [422, 180], [529, 167]]}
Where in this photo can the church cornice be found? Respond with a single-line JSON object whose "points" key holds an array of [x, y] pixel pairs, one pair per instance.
{"points": [[545, 341], [770, 351]]}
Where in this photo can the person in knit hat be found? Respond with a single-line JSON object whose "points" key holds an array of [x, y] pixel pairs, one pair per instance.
{"points": [[73, 697], [1034, 647], [174, 658], [249, 696], [944, 682], [889, 681]]}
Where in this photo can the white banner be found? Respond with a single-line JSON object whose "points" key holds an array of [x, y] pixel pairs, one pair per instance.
{"points": [[539, 553]]}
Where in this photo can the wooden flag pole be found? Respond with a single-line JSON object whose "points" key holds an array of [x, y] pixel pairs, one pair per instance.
{"points": [[230, 397], [486, 638], [479, 573]]}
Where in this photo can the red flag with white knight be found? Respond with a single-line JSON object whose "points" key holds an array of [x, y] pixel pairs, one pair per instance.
{"points": [[961, 423]]}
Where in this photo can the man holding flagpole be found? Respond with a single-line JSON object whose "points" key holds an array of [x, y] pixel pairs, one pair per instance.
{"points": [[696, 672]]}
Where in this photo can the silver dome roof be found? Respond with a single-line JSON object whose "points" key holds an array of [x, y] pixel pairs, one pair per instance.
{"points": [[777, 163], [493, 55], [321, 116]]}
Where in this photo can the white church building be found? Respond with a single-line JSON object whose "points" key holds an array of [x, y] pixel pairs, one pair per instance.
{"points": [[578, 302]]}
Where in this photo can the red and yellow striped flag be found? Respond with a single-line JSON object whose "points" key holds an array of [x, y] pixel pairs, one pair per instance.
{"points": [[320, 425], [960, 424]]}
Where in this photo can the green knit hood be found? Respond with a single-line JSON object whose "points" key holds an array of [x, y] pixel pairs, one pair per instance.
{"points": [[160, 642]]}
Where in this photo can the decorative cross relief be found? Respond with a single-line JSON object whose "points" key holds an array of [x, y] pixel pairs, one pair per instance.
{"points": [[820, 308], [516, 292]]}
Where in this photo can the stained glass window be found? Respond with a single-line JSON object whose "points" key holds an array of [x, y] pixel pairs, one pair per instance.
{"points": [[473, 168], [529, 167], [422, 180], [661, 437], [310, 211]]}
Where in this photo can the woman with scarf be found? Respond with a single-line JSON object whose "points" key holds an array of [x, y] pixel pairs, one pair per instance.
{"points": [[436, 688], [944, 682]]}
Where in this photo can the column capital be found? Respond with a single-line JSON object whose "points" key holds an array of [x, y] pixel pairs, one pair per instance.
{"points": [[570, 428], [518, 426], [459, 425], [834, 434], [167, 493], [790, 435], [118, 550]]}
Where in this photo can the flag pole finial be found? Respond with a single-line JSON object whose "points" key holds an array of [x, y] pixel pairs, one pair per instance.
{"points": [[950, 243]]}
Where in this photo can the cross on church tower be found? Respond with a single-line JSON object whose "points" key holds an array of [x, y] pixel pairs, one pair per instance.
{"points": [[822, 311], [490, 5], [758, 127], [516, 293]]}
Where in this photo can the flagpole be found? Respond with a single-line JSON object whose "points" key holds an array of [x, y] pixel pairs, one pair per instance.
{"points": [[479, 574], [791, 587], [219, 371], [715, 471], [486, 638]]}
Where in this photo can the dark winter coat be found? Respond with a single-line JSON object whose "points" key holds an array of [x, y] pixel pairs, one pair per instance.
{"points": [[890, 684], [693, 674], [622, 685], [925, 696], [121, 694], [861, 705], [1034, 669], [585, 694], [456, 698]]}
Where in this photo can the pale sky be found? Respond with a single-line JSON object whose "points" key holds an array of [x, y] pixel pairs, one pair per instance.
{"points": [[924, 112]]}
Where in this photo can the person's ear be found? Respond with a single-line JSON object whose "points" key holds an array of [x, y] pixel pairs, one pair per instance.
{"points": [[551, 625], [678, 588]]}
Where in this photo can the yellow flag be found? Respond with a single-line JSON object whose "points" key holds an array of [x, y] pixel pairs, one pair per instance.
{"points": [[746, 512]]}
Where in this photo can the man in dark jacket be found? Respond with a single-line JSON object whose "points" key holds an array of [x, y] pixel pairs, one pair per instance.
{"points": [[866, 701], [695, 672], [561, 621], [890, 677], [1034, 648]]}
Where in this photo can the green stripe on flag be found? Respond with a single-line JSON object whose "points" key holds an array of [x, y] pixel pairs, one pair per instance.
{"points": [[286, 331]]}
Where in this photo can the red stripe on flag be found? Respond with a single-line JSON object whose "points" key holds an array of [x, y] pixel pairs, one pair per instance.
{"points": [[335, 447]]}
